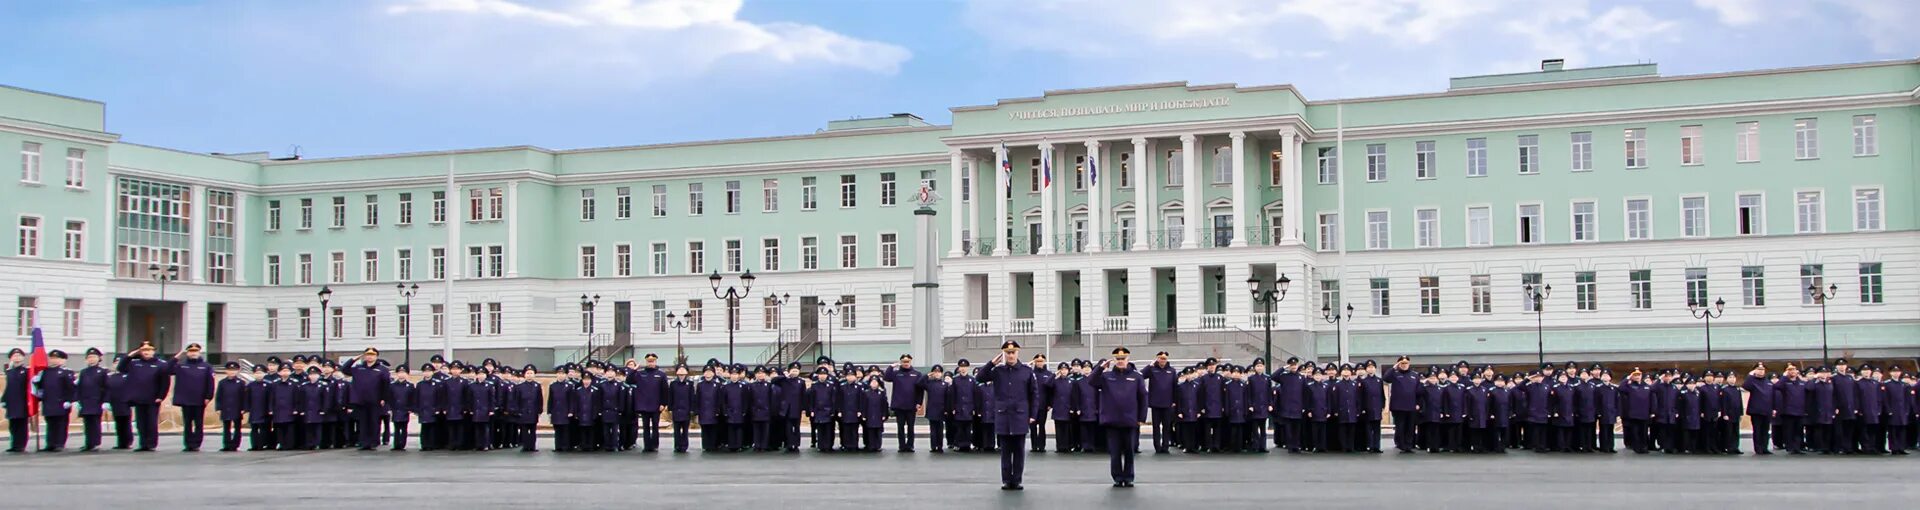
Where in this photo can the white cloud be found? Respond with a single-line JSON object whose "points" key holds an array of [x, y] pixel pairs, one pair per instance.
{"points": [[1888, 24], [1732, 12]]}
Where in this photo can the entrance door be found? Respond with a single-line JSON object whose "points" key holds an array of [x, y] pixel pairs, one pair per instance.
{"points": [[216, 328], [622, 325], [1172, 316], [809, 320]]}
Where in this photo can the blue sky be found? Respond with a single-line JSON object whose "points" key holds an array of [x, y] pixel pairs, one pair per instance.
{"points": [[346, 77]]}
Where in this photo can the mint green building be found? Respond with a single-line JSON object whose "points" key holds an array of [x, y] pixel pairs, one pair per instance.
{"points": [[1139, 215]]}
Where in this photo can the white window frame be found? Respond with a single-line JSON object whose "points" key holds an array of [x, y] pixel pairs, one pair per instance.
{"points": [[770, 254], [1869, 219], [809, 193], [337, 267], [369, 266], [735, 196], [1480, 292], [659, 200], [76, 168], [889, 311], [696, 257], [733, 254], [1376, 162], [588, 205], [273, 216], [1379, 229], [1590, 231], [1628, 222], [658, 258], [30, 162], [1705, 222], [1426, 232], [849, 191], [1329, 231], [1520, 235], [890, 189], [403, 264], [1691, 151], [1758, 225], [1866, 135], [371, 211], [272, 266], [1328, 164], [770, 195], [74, 242], [405, 209], [623, 203], [1634, 141], [809, 252], [1746, 142], [696, 198], [849, 251], [1753, 286], [1425, 160], [588, 265], [1476, 157], [1487, 210], [1801, 225], [1529, 154], [889, 249], [623, 259], [1580, 151], [1806, 138]]}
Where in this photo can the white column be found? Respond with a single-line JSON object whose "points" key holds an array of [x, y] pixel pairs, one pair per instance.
{"points": [[957, 223], [1140, 299], [1194, 210], [1046, 302], [973, 200], [1093, 299], [1239, 305], [238, 262], [1096, 203], [513, 232], [1188, 299], [999, 234], [1046, 203], [1239, 190], [1290, 203], [1143, 214]]}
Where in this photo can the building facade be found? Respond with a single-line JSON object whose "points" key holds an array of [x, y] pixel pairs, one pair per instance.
{"points": [[1566, 213]]}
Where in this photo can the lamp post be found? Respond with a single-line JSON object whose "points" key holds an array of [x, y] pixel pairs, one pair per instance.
{"points": [[326, 316], [833, 313], [406, 294], [1538, 294], [1699, 312], [678, 324], [779, 310], [731, 297], [172, 273], [1339, 328], [1268, 298], [1821, 297], [587, 305]]}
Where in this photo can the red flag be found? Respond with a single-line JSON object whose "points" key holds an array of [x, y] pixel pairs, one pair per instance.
{"points": [[36, 363]]}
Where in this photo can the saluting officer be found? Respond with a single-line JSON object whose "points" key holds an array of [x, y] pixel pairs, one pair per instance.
{"points": [[649, 394], [367, 394], [905, 402], [1013, 398], [1123, 401], [146, 386]]}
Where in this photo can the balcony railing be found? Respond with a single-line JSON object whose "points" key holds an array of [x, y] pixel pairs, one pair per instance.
{"points": [[985, 246], [1165, 239], [1211, 321], [1020, 326], [1114, 324], [1259, 236], [1260, 320], [976, 326]]}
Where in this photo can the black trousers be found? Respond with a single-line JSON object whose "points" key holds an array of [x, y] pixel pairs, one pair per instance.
{"points": [[963, 434], [1403, 430], [123, 429], [230, 432], [1897, 438], [1583, 436], [1290, 432], [312, 433], [937, 433], [1605, 440], [1790, 427], [193, 423], [823, 436], [630, 429], [399, 437], [259, 435], [283, 436], [1370, 431], [368, 419], [849, 436], [1013, 459], [1121, 441], [1066, 439], [710, 436], [1089, 435], [737, 435], [649, 431], [761, 430], [1259, 439], [1037, 434], [1637, 435], [1162, 421], [610, 435], [906, 428], [871, 437], [681, 435], [791, 426], [90, 431], [1844, 432], [146, 418]]}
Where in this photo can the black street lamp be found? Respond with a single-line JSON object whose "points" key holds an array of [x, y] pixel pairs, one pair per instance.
{"points": [[587, 305], [833, 314], [171, 274], [1339, 329], [678, 323], [406, 294], [732, 297], [1538, 294], [1821, 297], [326, 316], [779, 310], [1268, 298], [1699, 312]]}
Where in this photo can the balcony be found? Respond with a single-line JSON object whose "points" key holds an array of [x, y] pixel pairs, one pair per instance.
{"points": [[1213, 321], [976, 326], [1020, 326], [1260, 320], [1114, 324]]}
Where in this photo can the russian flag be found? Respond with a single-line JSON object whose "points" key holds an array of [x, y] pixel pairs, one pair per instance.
{"points": [[36, 363], [1093, 169], [1046, 169], [1006, 165]]}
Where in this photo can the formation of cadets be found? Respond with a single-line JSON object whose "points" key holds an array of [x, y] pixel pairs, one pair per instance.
{"points": [[312, 403]]}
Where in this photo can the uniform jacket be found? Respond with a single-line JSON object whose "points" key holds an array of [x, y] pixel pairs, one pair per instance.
{"points": [[938, 394], [966, 398], [369, 384], [1160, 382], [679, 400], [230, 398], [906, 388], [1123, 396], [1405, 388], [192, 381], [401, 400], [57, 389], [1015, 392], [649, 389], [93, 390], [147, 380], [285, 400], [260, 401]]}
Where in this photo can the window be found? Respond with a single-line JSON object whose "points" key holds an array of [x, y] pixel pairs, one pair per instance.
{"points": [[1584, 217], [273, 324], [1330, 294], [273, 215], [1528, 283], [496, 204], [1693, 216], [1424, 158], [496, 261], [770, 314], [1750, 214], [1871, 290], [305, 323], [928, 181], [495, 318], [589, 262], [1639, 219], [889, 250], [370, 266], [306, 268], [586, 205], [1223, 165], [696, 257], [1479, 226], [372, 322], [337, 267], [1753, 285], [439, 319], [339, 212], [696, 198], [1690, 150], [1482, 288], [657, 255], [734, 254], [1126, 169], [1426, 228], [809, 194], [849, 251], [1586, 292], [1866, 136], [889, 190], [1033, 180], [1866, 210], [372, 210], [1806, 138], [770, 254], [733, 197], [76, 240], [1329, 164], [1640, 286], [71, 309], [1809, 217], [406, 209], [439, 207], [476, 320], [849, 191], [1811, 277], [1580, 156], [306, 213], [1378, 288], [404, 315], [1329, 231], [30, 162], [623, 260], [1696, 286], [809, 253], [273, 269], [695, 317], [1476, 157], [1636, 147], [1429, 295], [890, 311], [1175, 168], [622, 203], [1376, 162], [403, 264], [1532, 225], [437, 265], [1529, 154], [1746, 142], [1377, 232], [966, 181], [586, 318], [659, 316], [769, 195], [337, 322], [659, 200], [847, 309]]}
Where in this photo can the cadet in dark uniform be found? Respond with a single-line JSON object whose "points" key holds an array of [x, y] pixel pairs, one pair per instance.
{"points": [[367, 395], [905, 403], [1086, 405], [57, 388], [821, 395], [192, 391], [711, 410], [260, 409], [230, 401], [15, 401], [760, 397], [1123, 402], [966, 406], [93, 398], [1013, 398], [312, 409], [850, 405], [146, 386], [285, 409], [527, 403], [1063, 398], [1895, 395], [430, 404], [1404, 387], [681, 407], [938, 392], [649, 394], [875, 422], [401, 401], [120, 400], [793, 394], [1289, 406], [1373, 400]]}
